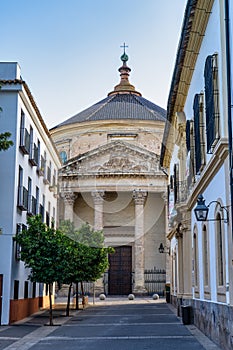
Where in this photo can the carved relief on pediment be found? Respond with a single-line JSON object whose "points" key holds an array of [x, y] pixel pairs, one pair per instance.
{"points": [[120, 159], [122, 163]]}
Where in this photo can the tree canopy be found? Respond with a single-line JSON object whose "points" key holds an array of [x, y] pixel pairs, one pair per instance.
{"points": [[65, 255], [5, 143]]}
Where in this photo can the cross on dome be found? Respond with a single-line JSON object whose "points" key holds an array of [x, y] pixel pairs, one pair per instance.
{"points": [[124, 57]]}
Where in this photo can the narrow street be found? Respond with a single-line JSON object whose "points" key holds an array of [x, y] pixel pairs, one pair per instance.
{"points": [[142, 324]]}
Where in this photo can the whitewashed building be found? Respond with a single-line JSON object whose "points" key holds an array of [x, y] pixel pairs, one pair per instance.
{"points": [[28, 173], [195, 153]]}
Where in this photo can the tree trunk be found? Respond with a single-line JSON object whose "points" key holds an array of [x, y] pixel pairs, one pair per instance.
{"points": [[82, 289], [50, 305], [68, 301], [77, 299]]}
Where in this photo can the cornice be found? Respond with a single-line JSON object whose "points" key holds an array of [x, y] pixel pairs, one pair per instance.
{"points": [[194, 25]]}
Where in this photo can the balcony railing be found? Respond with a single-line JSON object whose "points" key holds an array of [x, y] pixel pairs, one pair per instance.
{"points": [[34, 157], [49, 174], [22, 198], [41, 168], [42, 212], [32, 205], [24, 141]]}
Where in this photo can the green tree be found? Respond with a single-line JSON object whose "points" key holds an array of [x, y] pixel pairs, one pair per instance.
{"points": [[44, 251], [5, 143], [90, 259]]}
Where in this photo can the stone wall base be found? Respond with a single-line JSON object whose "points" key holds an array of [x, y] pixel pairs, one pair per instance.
{"points": [[215, 321]]}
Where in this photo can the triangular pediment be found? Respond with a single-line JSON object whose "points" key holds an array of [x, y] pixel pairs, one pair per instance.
{"points": [[114, 158]]}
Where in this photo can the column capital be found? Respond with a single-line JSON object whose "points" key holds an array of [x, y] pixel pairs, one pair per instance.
{"points": [[98, 196], [139, 196], [69, 197]]}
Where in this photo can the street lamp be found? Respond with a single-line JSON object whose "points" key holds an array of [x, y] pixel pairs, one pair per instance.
{"points": [[162, 249], [201, 210]]}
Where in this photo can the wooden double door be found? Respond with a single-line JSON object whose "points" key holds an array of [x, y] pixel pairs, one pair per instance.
{"points": [[120, 271]]}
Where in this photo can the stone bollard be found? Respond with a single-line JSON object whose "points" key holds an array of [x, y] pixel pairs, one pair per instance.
{"points": [[131, 297], [102, 297]]}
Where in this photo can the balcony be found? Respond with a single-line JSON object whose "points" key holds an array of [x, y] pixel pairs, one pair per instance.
{"points": [[22, 198], [41, 168], [42, 212], [34, 156], [47, 178], [24, 141], [32, 205]]}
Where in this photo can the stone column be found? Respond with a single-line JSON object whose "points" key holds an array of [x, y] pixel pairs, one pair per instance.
{"points": [[98, 198], [98, 209], [139, 284], [69, 199]]}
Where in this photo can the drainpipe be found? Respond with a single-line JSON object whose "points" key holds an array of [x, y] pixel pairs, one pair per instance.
{"points": [[229, 106]]}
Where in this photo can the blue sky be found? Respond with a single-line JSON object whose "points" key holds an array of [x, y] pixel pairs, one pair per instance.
{"points": [[69, 50]]}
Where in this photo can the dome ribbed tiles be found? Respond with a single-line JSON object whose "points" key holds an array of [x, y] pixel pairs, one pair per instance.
{"points": [[119, 106]]}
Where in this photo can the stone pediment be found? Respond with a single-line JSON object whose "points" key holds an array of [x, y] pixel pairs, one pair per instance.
{"points": [[114, 158]]}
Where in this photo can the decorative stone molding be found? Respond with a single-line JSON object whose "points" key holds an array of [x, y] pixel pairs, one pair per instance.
{"points": [[98, 196], [69, 197], [139, 196]]}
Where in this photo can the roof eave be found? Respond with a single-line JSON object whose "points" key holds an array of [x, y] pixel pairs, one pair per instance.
{"points": [[196, 17]]}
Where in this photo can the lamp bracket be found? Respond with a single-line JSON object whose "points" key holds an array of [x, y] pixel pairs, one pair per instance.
{"points": [[222, 208]]}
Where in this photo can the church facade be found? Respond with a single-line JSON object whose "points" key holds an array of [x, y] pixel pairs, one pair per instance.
{"points": [[111, 178]]}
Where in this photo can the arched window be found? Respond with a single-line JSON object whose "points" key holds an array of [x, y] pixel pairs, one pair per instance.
{"points": [[195, 257], [205, 256], [220, 263], [63, 157]]}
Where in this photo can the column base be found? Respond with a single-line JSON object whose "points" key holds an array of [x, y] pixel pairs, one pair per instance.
{"points": [[140, 291]]}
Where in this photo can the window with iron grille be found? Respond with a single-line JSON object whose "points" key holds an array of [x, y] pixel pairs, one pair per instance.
{"points": [[211, 102], [220, 252], [176, 182], [37, 199], [190, 161], [16, 290], [42, 212], [31, 144], [38, 155], [42, 165], [24, 141], [33, 289], [17, 246], [188, 146], [26, 285], [199, 138]]}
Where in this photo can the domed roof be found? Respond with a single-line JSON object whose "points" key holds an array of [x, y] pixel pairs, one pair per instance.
{"points": [[124, 102]]}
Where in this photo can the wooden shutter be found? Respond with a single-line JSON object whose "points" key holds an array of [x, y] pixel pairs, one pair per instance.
{"points": [[197, 137]]}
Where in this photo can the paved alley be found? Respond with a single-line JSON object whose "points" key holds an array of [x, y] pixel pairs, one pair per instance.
{"points": [[110, 325]]}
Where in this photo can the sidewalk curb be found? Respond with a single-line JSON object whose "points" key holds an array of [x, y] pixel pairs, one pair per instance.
{"points": [[206, 342]]}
